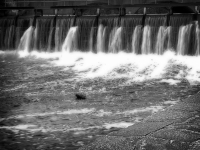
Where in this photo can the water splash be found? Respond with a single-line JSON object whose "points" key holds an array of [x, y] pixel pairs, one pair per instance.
{"points": [[70, 43], [135, 68]]}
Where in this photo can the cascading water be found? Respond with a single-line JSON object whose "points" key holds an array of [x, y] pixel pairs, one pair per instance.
{"points": [[43, 30], [146, 42], [151, 38], [62, 26], [153, 29], [197, 42], [108, 27], [7, 34], [131, 33], [115, 41], [183, 39], [70, 43], [84, 32], [176, 23], [104, 34], [162, 35], [26, 39], [101, 38], [136, 39], [22, 25]]}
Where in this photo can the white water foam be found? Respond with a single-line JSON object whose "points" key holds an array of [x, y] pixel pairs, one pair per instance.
{"points": [[170, 102], [117, 125], [79, 130], [68, 112], [170, 81], [1, 52], [136, 68], [152, 109], [102, 113], [25, 127]]}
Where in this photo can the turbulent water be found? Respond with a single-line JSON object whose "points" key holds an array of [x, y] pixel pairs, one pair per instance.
{"points": [[114, 47], [136, 68]]}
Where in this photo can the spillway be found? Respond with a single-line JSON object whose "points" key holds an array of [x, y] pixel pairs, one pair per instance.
{"points": [[152, 34]]}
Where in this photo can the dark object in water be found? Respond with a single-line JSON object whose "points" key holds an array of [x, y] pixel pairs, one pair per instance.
{"points": [[80, 96]]}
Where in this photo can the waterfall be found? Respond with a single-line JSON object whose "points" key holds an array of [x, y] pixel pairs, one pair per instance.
{"points": [[168, 38], [197, 31], [63, 25], [91, 40], [51, 40], [26, 39], [84, 31], [130, 28], [110, 25], [108, 34], [44, 34], [183, 39], [161, 37], [146, 41], [115, 41], [7, 34], [101, 38], [176, 23], [22, 25], [70, 43], [137, 35]]}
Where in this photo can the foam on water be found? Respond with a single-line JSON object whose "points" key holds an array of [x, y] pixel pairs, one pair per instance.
{"points": [[25, 127], [67, 112], [118, 125], [152, 109], [170, 81], [136, 68], [170, 102]]}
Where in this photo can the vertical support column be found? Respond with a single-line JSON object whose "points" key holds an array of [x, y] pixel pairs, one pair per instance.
{"points": [[122, 11], [168, 16], [98, 11], [75, 16], [16, 18], [144, 16], [195, 16], [196, 9], [34, 21], [95, 30], [56, 12], [54, 19]]}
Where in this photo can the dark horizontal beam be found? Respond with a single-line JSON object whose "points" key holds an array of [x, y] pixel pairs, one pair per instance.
{"points": [[106, 6], [163, 5], [86, 7], [52, 1], [128, 6], [16, 8]]}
